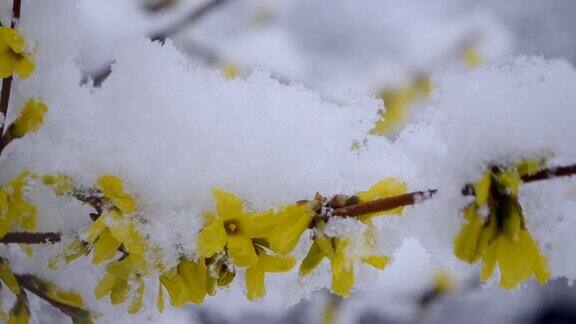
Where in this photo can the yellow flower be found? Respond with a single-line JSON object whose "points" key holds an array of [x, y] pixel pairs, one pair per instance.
{"points": [[29, 120], [335, 249], [471, 56], [233, 228], [61, 184], [388, 187], [15, 210], [255, 275], [8, 277], [517, 260], [292, 221], [73, 251], [13, 58], [397, 102], [123, 279], [501, 238], [188, 282], [110, 231], [113, 189]]}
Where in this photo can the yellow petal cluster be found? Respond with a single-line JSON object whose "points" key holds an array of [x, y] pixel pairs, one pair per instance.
{"points": [[112, 188], [123, 279], [335, 249], [15, 211], [291, 222], [397, 102], [8, 277], [255, 275], [30, 119], [501, 237], [13, 55], [188, 282], [61, 184], [233, 228]]}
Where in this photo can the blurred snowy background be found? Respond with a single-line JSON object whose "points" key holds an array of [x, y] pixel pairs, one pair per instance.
{"points": [[337, 47]]}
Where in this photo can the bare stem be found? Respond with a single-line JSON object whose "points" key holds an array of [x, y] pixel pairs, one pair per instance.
{"points": [[189, 20], [384, 204], [31, 238], [412, 198], [545, 174]]}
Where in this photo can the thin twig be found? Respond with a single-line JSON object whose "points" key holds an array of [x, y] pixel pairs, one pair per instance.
{"points": [[189, 20], [31, 238], [549, 173], [384, 204], [196, 15], [30, 283], [412, 198]]}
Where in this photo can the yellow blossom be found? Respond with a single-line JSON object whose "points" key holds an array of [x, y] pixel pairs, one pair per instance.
{"points": [[335, 249], [397, 102], [30, 118], [15, 210], [113, 189], [255, 275], [501, 237], [61, 184], [122, 278], [471, 56], [13, 57], [73, 251], [233, 228], [292, 221], [188, 282], [8, 277]]}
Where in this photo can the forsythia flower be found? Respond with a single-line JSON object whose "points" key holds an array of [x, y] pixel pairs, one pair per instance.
{"points": [[8, 277], [113, 189], [122, 277], [13, 57], [188, 282], [336, 250], [502, 237], [255, 275], [15, 211], [471, 56], [233, 228], [29, 120], [61, 184], [397, 102], [113, 228], [292, 221]]}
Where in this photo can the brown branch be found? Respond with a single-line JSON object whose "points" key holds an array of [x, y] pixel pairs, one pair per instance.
{"points": [[412, 198], [384, 204], [31, 238], [544, 174], [562, 171], [189, 20], [31, 283]]}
